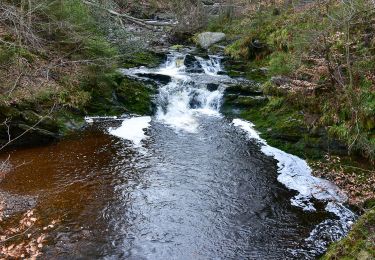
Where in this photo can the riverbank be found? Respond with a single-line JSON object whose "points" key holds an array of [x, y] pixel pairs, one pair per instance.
{"points": [[58, 63], [286, 107], [315, 93], [63, 64], [354, 176]]}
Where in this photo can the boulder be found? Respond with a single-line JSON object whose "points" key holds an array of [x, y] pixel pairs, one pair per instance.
{"points": [[207, 39]]}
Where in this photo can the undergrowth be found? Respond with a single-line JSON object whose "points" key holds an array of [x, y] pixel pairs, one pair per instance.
{"points": [[324, 57]]}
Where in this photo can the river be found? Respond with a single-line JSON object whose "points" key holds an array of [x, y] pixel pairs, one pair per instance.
{"points": [[186, 183]]}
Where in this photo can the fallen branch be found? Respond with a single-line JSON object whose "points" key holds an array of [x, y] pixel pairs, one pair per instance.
{"points": [[141, 22]]}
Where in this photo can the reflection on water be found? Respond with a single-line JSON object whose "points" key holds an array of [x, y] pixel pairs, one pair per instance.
{"points": [[207, 195], [190, 186]]}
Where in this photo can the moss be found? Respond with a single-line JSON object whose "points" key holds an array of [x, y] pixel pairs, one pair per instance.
{"points": [[71, 30], [8, 112], [359, 244], [255, 70], [286, 45], [7, 54], [281, 125], [177, 47], [135, 96], [67, 121], [142, 58]]}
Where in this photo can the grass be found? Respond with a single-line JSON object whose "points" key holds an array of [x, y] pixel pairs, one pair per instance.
{"points": [[298, 45]]}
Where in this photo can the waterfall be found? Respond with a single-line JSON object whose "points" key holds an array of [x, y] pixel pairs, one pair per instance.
{"points": [[195, 88]]}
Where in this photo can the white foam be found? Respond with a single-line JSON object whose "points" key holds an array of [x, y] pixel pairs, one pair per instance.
{"points": [[92, 119], [331, 230], [183, 100], [132, 129], [211, 66], [177, 114], [295, 173], [174, 67]]}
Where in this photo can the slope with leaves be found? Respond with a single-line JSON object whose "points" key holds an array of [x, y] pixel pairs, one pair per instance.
{"points": [[319, 59], [55, 62]]}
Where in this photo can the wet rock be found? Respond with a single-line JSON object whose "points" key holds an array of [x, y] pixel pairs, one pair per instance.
{"points": [[192, 64], [36, 135], [207, 39], [162, 79], [212, 86], [28, 135], [244, 90], [194, 101]]}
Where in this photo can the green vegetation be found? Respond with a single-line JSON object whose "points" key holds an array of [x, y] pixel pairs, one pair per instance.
{"points": [[57, 63], [359, 244], [323, 56], [319, 83], [284, 127]]}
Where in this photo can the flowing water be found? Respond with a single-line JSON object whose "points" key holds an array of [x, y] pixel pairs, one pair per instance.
{"points": [[186, 183]]}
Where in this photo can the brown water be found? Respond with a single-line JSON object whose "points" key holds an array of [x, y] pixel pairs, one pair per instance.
{"points": [[203, 191], [202, 196]]}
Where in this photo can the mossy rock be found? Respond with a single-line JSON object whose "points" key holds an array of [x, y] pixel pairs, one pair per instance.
{"points": [[359, 244], [177, 47], [30, 135], [244, 101], [9, 112], [135, 96], [244, 90], [148, 59], [67, 121], [30, 116]]}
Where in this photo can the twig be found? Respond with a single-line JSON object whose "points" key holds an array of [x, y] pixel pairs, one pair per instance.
{"points": [[27, 130], [17, 235], [15, 84]]}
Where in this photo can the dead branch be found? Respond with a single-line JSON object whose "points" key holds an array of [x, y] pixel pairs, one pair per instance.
{"points": [[141, 22]]}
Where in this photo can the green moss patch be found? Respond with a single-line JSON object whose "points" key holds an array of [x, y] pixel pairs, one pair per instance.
{"points": [[359, 244]]}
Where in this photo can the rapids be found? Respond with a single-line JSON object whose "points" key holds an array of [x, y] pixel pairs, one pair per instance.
{"points": [[186, 183]]}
